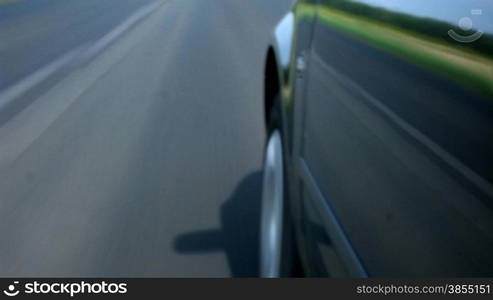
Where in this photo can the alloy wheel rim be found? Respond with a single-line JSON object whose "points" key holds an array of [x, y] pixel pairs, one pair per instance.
{"points": [[272, 208]]}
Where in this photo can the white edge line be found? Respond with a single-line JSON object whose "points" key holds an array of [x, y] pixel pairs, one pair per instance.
{"points": [[83, 52], [119, 30], [24, 85]]}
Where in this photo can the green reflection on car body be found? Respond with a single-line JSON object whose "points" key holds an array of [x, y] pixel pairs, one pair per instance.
{"points": [[419, 40]]}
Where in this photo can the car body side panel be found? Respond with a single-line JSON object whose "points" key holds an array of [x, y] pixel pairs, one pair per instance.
{"points": [[396, 133]]}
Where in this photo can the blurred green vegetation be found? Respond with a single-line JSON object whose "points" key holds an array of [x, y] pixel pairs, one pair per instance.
{"points": [[426, 26], [421, 41]]}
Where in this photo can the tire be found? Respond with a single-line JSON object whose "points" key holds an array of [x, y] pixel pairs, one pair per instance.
{"points": [[277, 251]]}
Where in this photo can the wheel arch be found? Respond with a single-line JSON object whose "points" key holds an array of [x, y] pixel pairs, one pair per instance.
{"points": [[277, 62], [271, 83]]}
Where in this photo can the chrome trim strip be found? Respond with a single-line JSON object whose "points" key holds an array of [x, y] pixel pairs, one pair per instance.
{"points": [[331, 224]]}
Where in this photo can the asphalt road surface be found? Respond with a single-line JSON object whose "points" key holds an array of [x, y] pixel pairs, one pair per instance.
{"points": [[131, 136]]}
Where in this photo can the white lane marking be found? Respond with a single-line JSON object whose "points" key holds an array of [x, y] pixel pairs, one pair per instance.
{"points": [[24, 85], [83, 52], [110, 37], [24, 128], [476, 179]]}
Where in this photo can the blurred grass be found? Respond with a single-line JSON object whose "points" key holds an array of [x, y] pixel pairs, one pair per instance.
{"points": [[460, 64]]}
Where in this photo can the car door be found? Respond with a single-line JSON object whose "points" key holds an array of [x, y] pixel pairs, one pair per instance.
{"points": [[397, 145]]}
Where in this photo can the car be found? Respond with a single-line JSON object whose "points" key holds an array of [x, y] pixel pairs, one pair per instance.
{"points": [[379, 151]]}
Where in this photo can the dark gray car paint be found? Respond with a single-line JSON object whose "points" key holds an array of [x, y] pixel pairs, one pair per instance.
{"points": [[395, 149]]}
